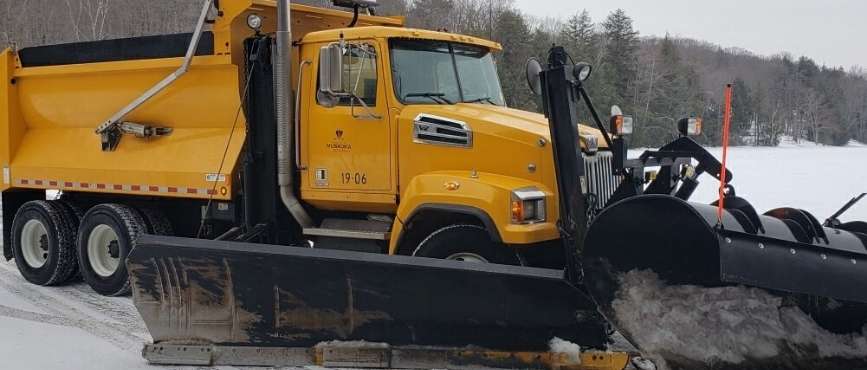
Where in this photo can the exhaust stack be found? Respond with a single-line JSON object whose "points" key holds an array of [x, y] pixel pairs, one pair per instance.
{"points": [[285, 107]]}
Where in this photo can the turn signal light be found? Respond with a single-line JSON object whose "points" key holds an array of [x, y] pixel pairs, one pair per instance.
{"points": [[621, 125], [517, 211], [528, 206], [689, 126]]}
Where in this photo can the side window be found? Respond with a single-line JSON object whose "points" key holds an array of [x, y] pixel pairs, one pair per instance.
{"points": [[360, 76]]}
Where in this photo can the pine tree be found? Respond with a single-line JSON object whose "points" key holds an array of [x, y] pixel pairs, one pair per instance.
{"points": [[619, 57], [579, 37], [513, 32], [743, 113]]}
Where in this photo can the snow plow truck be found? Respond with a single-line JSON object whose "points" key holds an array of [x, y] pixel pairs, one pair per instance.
{"points": [[287, 176]]}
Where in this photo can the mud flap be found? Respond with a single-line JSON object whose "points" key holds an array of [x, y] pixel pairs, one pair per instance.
{"points": [[236, 294], [823, 271]]}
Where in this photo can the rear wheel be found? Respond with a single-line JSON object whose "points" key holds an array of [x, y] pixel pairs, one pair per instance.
{"points": [[43, 237], [157, 222], [105, 237], [466, 243]]}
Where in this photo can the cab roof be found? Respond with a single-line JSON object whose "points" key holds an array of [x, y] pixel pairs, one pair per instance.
{"points": [[358, 33]]}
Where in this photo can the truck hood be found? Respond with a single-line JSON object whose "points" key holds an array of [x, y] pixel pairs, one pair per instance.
{"points": [[500, 121]]}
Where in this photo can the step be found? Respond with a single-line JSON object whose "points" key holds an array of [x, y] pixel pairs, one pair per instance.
{"points": [[351, 229]]}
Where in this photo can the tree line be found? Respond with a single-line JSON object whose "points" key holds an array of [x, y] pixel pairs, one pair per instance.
{"points": [[656, 79]]}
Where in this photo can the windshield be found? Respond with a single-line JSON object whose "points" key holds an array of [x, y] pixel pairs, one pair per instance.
{"points": [[427, 71]]}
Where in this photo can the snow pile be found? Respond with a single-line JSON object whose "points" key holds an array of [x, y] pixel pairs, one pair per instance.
{"points": [[560, 346], [721, 325], [790, 142]]}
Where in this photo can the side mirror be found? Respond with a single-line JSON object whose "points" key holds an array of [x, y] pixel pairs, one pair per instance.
{"points": [[534, 80], [331, 70]]}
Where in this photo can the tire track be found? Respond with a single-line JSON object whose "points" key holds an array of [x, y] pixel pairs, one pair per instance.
{"points": [[117, 335], [126, 330], [15, 313], [119, 309]]}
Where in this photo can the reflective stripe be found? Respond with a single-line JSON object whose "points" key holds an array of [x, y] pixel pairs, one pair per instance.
{"points": [[128, 188]]}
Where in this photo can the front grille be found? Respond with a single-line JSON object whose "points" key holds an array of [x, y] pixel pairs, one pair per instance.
{"points": [[601, 182], [429, 129]]}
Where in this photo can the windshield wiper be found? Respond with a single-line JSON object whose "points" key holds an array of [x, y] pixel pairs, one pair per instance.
{"points": [[439, 98], [486, 99]]}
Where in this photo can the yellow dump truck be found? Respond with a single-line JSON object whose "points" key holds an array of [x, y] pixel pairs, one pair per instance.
{"points": [[408, 148], [261, 186]]}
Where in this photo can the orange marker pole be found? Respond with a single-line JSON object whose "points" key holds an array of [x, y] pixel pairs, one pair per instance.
{"points": [[726, 130]]}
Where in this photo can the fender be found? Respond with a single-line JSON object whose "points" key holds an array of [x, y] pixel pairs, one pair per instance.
{"points": [[484, 195]]}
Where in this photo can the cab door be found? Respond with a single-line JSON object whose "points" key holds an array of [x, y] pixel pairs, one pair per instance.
{"points": [[348, 139]]}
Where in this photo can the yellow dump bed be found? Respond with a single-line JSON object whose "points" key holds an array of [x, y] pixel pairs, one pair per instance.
{"points": [[50, 108]]}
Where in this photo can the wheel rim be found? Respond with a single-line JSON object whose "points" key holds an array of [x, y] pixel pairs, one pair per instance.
{"points": [[103, 251], [467, 257], [34, 243]]}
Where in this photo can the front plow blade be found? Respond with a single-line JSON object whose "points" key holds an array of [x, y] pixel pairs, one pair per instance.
{"points": [[236, 294], [683, 289]]}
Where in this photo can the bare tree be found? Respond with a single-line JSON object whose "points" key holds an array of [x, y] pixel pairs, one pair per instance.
{"points": [[88, 18]]}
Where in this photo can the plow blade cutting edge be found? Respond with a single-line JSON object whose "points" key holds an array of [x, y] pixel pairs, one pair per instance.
{"points": [[234, 294]]}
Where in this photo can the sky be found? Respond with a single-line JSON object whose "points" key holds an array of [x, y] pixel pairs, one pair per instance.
{"points": [[831, 32]]}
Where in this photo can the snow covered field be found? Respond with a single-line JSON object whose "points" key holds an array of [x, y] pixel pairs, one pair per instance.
{"points": [[73, 328], [819, 179]]}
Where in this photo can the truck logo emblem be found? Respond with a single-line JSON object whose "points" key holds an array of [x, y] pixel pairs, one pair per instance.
{"points": [[338, 145]]}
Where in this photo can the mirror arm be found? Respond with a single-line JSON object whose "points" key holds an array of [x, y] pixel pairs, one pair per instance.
{"points": [[371, 115], [595, 115]]}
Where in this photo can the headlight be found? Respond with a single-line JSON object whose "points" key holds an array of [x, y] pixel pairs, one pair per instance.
{"points": [[528, 206], [582, 71], [254, 21]]}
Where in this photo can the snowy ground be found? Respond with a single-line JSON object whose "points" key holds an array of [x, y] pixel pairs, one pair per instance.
{"points": [[73, 328], [69, 327], [66, 327]]}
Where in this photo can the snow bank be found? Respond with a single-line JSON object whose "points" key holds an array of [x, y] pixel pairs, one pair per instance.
{"points": [[721, 325], [560, 346]]}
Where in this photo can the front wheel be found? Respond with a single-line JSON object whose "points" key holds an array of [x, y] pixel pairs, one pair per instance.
{"points": [[105, 238], [466, 243]]}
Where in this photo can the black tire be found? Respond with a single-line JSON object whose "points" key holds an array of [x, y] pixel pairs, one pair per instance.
{"points": [[57, 242], [73, 209], [466, 243], [157, 222], [75, 214], [127, 225]]}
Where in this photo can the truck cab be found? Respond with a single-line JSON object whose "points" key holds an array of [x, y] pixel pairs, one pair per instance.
{"points": [[411, 126]]}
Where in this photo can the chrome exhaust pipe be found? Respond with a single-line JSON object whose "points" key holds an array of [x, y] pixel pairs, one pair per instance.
{"points": [[285, 107]]}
